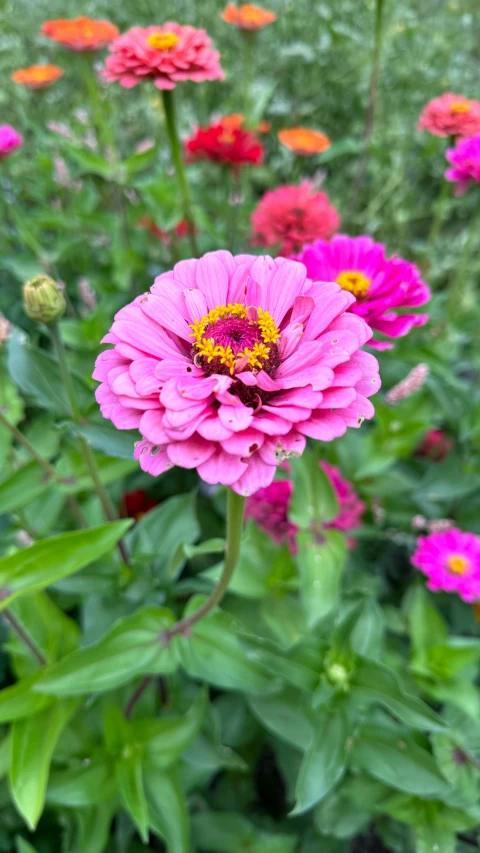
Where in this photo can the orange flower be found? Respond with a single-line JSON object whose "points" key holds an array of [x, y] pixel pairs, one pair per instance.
{"points": [[238, 120], [248, 16], [37, 76], [304, 141], [80, 33]]}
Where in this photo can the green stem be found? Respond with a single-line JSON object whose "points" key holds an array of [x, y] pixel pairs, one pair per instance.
{"points": [[249, 43], [457, 288], [24, 637], [439, 213], [176, 149], [86, 450], [103, 126], [50, 471], [235, 512], [234, 202]]}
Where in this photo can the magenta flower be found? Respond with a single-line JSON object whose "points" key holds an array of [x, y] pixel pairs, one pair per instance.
{"points": [[451, 115], [10, 139], [229, 363], [379, 284], [350, 507], [465, 159], [166, 55], [269, 509], [451, 562]]}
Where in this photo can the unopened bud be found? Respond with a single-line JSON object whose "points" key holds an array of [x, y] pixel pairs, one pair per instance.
{"points": [[337, 674], [43, 300]]}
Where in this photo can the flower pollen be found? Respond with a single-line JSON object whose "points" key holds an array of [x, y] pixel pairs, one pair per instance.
{"points": [[354, 282], [232, 338], [162, 41], [458, 564], [460, 107]]}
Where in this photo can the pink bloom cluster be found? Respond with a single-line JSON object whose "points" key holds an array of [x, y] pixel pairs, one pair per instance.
{"points": [[408, 386], [291, 216], [465, 159], [451, 562], [229, 363], [379, 284], [167, 55], [451, 115], [10, 139]]}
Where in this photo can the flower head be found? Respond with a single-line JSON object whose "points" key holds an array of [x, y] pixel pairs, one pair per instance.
{"points": [[222, 143], [350, 507], [248, 16], [451, 115], [465, 159], [380, 284], [304, 141], [292, 216], [137, 503], [451, 562], [37, 76], [10, 139], [80, 34], [229, 363], [269, 509], [43, 299], [166, 54], [435, 444]]}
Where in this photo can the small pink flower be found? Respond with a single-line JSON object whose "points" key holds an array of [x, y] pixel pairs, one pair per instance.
{"points": [[292, 216], [380, 284], [229, 363], [350, 507], [451, 562], [408, 386], [10, 139], [465, 159], [5, 329], [165, 54], [451, 115], [269, 509]]}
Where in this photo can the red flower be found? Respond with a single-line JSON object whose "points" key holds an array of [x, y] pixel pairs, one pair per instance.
{"points": [[180, 230], [435, 444], [225, 143], [137, 503]]}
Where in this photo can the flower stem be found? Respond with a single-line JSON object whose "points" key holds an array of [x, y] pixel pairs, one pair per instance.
{"points": [[50, 472], [176, 149], [24, 637], [439, 214], [87, 453], [235, 512], [92, 86], [457, 288], [249, 43]]}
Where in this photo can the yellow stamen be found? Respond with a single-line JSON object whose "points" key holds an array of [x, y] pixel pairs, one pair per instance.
{"points": [[457, 564], [208, 349], [354, 282], [459, 107], [162, 41]]}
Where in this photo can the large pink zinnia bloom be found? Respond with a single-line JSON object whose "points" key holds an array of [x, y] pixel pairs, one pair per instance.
{"points": [[166, 55], [379, 284], [229, 363], [451, 115], [465, 159], [10, 139], [292, 216], [451, 562]]}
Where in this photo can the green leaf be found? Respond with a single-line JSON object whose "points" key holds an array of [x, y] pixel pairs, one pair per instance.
{"points": [[82, 785], [76, 477], [93, 828], [5, 750], [132, 647], [49, 560], [164, 740], [324, 760], [93, 164], [287, 716], [373, 682], [161, 532], [321, 568], [313, 500], [167, 809], [18, 700], [22, 487], [55, 633], [427, 627], [433, 839], [33, 743], [110, 441], [457, 764], [130, 785], [23, 846], [228, 832]]}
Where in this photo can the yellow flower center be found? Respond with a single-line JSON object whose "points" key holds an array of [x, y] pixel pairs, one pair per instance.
{"points": [[457, 564], [162, 41], [460, 107], [227, 137], [354, 282], [233, 324]]}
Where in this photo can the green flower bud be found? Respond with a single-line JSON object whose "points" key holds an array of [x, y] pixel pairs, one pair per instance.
{"points": [[43, 300], [338, 675]]}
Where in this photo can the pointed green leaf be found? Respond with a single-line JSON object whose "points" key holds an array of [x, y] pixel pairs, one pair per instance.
{"points": [[164, 740], [287, 716], [82, 784], [18, 700], [23, 486], [313, 500], [130, 786], [324, 761], [167, 809], [229, 832], [321, 568]]}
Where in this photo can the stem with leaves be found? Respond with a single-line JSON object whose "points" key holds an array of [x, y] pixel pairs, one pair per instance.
{"points": [[24, 637], [177, 157]]}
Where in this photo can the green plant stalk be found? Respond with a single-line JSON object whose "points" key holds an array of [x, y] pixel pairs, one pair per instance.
{"points": [[439, 214], [455, 297], [85, 448], [235, 513], [248, 53], [25, 638], [234, 201], [370, 111], [176, 149], [73, 504], [92, 86]]}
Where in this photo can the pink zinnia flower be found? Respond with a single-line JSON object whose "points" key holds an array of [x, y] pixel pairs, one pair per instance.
{"points": [[465, 159], [269, 509], [451, 115], [10, 139], [350, 507], [229, 363], [451, 562], [291, 216], [166, 55], [379, 284]]}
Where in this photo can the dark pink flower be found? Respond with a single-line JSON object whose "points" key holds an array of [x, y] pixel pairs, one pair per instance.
{"points": [[269, 507], [350, 507], [291, 216], [435, 444], [465, 159], [451, 562], [10, 139]]}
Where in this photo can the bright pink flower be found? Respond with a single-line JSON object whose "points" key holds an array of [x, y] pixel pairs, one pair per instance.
{"points": [[166, 54], [10, 139], [435, 444], [269, 507], [465, 159], [379, 284], [350, 507], [229, 363], [451, 562], [291, 216], [451, 115]]}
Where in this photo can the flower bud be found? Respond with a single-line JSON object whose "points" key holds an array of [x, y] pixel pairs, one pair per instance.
{"points": [[338, 675], [43, 300]]}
